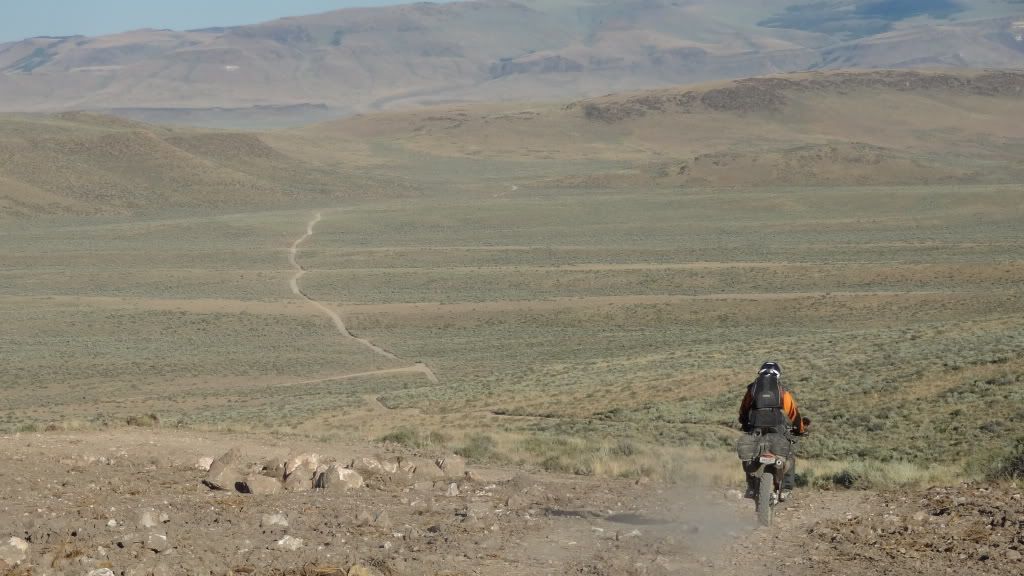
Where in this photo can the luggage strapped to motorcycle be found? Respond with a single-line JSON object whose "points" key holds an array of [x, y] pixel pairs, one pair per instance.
{"points": [[751, 444]]}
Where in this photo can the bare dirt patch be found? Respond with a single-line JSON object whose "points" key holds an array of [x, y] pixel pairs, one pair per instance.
{"points": [[95, 500]]}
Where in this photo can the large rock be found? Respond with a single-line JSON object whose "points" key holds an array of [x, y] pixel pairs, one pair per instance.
{"points": [[157, 542], [274, 468], [225, 471], [300, 479], [338, 478], [308, 460], [453, 467], [406, 468], [273, 521], [148, 519], [423, 470], [289, 543], [13, 551], [232, 457], [374, 468], [260, 485]]}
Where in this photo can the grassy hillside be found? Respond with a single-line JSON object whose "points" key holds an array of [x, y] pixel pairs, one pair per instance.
{"points": [[830, 129], [842, 128], [91, 164], [599, 331], [592, 283]]}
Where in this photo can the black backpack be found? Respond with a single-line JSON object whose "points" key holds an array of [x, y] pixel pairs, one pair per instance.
{"points": [[766, 412]]}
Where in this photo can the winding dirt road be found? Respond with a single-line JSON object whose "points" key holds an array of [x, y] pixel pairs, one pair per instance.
{"points": [[418, 368], [339, 323]]}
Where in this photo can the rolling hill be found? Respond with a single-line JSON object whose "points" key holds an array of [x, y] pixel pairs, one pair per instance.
{"points": [[310, 68], [823, 128], [81, 163]]}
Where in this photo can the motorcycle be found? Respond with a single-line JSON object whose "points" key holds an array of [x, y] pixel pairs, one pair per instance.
{"points": [[768, 470], [766, 459]]}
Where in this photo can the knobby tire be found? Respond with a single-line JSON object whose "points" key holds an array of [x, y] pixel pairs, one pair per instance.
{"points": [[765, 489]]}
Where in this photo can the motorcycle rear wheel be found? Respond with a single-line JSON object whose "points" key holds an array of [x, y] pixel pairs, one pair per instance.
{"points": [[765, 504]]}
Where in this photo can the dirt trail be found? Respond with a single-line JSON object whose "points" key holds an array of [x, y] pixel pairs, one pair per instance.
{"points": [[336, 318], [418, 368]]}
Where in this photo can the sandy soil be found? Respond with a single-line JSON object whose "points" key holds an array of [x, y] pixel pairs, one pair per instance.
{"points": [[78, 500]]}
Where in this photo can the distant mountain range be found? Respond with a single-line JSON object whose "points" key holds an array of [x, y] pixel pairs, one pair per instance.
{"points": [[310, 68]]}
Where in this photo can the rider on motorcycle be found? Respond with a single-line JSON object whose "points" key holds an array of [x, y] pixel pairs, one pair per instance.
{"points": [[770, 409]]}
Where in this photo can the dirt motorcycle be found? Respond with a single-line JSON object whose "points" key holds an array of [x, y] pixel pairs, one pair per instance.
{"points": [[766, 459]]}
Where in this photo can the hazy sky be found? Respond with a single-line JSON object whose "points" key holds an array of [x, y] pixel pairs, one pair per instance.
{"points": [[25, 18]]}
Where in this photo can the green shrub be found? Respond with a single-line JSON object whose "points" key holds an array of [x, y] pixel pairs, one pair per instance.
{"points": [[435, 438], [144, 421], [555, 463], [845, 478], [414, 439], [403, 436], [477, 447], [625, 447], [1009, 466]]}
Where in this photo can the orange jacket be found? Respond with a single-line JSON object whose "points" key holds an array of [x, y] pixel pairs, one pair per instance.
{"points": [[788, 408]]}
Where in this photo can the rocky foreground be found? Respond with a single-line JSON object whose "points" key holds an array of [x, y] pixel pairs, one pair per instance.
{"points": [[143, 502], [972, 529]]}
